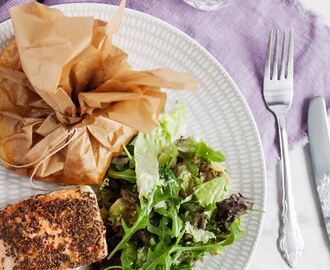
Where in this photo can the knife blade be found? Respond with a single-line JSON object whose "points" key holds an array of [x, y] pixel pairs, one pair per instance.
{"points": [[319, 144]]}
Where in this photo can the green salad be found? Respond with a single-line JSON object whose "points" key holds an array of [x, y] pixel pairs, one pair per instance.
{"points": [[166, 201]]}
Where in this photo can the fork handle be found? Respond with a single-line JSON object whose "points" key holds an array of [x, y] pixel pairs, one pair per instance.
{"points": [[290, 240]]}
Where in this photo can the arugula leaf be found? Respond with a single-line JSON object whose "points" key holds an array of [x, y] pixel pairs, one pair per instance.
{"points": [[128, 175], [210, 192], [235, 234], [149, 146], [162, 230], [170, 195], [172, 213], [127, 151], [171, 187], [140, 223], [160, 255]]}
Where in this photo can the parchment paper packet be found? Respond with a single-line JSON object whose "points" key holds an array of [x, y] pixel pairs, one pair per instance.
{"points": [[69, 99]]}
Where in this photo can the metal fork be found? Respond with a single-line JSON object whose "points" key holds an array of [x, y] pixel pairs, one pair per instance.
{"points": [[278, 93]]}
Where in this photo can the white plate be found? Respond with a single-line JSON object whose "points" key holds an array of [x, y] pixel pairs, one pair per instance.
{"points": [[217, 113]]}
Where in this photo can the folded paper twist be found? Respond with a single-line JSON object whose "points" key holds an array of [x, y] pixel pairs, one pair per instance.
{"points": [[69, 99]]}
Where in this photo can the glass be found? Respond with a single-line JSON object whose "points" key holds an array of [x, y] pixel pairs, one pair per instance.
{"points": [[208, 4]]}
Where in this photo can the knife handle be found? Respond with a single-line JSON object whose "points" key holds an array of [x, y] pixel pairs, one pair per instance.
{"points": [[290, 240]]}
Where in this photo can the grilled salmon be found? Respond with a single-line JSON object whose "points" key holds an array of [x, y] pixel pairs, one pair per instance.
{"points": [[59, 230]]}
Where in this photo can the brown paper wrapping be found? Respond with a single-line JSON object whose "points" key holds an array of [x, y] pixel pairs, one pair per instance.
{"points": [[69, 99]]}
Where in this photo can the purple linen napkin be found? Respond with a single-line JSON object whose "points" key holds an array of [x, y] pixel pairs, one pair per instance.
{"points": [[237, 36]]}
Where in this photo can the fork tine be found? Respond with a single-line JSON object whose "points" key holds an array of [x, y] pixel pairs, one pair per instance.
{"points": [[290, 56], [275, 62], [284, 57], [269, 56]]}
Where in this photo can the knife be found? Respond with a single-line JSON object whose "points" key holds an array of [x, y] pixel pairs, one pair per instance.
{"points": [[319, 144]]}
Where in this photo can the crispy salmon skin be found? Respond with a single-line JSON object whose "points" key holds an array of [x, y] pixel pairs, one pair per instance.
{"points": [[59, 230]]}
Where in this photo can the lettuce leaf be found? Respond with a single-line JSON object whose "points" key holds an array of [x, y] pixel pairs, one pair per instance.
{"points": [[211, 192], [149, 146], [208, 154], [199, 235]]}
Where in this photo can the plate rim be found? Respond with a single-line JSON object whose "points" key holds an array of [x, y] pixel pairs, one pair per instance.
{"points": [[230, 80]]}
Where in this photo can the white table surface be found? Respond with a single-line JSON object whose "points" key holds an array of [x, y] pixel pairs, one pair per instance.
{"points": [[316, 254]]}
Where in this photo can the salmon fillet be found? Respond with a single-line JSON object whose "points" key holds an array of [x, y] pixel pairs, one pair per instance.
{"points": [[55, 231]]}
